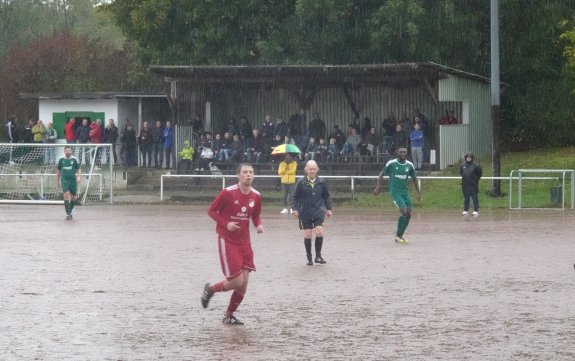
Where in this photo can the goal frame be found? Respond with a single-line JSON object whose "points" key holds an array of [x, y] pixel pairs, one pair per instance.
{"points": [[92, 176], [518, 175]]}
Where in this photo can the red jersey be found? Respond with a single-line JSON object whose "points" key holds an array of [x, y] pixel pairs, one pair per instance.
{"points": [[69, 131], [231, 205]]}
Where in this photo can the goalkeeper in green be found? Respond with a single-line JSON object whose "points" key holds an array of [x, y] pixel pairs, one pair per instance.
{"points": [[68, 175], [399, 171]]}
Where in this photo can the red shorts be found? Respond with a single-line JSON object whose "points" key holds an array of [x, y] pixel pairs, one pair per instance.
{"points": [[235, 257]]}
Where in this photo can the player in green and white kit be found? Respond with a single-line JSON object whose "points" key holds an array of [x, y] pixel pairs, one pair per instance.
{"points": [[68, 175], [399, 171]]}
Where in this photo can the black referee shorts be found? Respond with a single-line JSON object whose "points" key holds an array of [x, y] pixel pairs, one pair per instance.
{"points": [[310, 223]]}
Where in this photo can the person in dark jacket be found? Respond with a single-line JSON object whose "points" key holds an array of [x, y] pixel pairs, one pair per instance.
{"points": [[471, 173], [311, 203]]}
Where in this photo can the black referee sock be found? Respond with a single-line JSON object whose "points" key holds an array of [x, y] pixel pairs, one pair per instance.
{"points": [[318, 244], [307, 243]]}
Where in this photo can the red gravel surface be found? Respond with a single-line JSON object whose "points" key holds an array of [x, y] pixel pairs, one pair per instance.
{"points": [[123, 282]]}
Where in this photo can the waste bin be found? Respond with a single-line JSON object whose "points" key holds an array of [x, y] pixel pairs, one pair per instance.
{"points": [[556, 195]]}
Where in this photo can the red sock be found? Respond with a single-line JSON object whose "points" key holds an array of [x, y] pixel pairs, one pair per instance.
{"points": [[217, 287], [235, 301]]}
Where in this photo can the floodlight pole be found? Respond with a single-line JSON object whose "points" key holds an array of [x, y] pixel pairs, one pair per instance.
{"points": [[495, 101]]}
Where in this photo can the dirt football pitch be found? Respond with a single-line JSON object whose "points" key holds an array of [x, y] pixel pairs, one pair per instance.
{"points": [[123, 282]]}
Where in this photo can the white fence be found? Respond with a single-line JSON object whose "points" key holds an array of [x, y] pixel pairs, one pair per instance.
{"points": [[352, 180]]}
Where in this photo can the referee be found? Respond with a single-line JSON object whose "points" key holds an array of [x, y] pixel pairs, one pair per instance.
{"points": [[311, 203]]}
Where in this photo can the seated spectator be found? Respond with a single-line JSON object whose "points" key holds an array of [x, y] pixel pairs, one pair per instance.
{"points": [[332, 150], [217, 145], [275, 142], [350, 147], [322, 152], [310, 150], [370, 142], [206, 153], [254, 147], [237, 150], [225, 150]]}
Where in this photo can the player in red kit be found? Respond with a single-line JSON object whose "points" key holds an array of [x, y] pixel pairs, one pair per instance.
{"points": [[232, 210]]}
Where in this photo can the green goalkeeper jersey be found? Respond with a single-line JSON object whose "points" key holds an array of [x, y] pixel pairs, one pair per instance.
{"points": [[399, 174], [68, 167]]}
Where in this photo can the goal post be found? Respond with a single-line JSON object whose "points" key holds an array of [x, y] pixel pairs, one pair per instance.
{"points": [[28, 172], [542, 188]]}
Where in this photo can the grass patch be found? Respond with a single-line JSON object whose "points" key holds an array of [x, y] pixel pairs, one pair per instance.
{"points": [[447, 193]]}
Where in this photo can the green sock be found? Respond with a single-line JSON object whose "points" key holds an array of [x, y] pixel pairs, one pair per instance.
{"points": [[402, 223], [67, 206], [405, 224]]}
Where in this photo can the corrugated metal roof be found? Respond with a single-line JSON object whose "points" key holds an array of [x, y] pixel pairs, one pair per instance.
{"points": [[89, 95], [400, 74]]}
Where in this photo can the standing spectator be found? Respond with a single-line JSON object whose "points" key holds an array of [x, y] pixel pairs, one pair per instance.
{"points": [[267, 129], [293, 125], [232, 127], [198, 124], [187, 156], [471, 173], [68, 175], [82, 136], [317, 127], [158, 144], [111, 136], [311, 203], [399, 138], [366, 127], [145, 141], [95, 136], [168, 137], [232, 210], [28, 137], [399, 171], [130, 143], [416, 139], [11, 130], [38, 132], [281, 128], [287, 170], [51, 136], [388, 124], [245, 130], [70, 131]]}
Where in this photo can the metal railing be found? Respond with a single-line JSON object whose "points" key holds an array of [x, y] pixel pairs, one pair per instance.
{"points": [[352, 180]]}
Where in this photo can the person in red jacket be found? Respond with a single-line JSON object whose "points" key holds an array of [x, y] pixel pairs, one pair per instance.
{"points": [[232, 210], [70, 131], [95, 137]]}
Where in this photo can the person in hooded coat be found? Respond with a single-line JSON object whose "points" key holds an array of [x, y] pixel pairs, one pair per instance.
{"points": [[471, 173]]}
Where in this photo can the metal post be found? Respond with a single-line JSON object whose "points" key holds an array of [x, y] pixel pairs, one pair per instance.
{"points": [[495, 99]]}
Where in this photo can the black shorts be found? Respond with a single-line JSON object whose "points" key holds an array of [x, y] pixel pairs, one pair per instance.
{"points": [[310, 223]]}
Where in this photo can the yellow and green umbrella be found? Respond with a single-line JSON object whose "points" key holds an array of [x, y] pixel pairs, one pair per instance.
{"points": [[286, 148]]}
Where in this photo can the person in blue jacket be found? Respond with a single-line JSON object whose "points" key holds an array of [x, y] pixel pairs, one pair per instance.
{"points": [[168, 143]]}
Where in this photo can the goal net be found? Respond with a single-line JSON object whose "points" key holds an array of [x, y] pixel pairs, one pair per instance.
{"points": [[28, 173]]}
